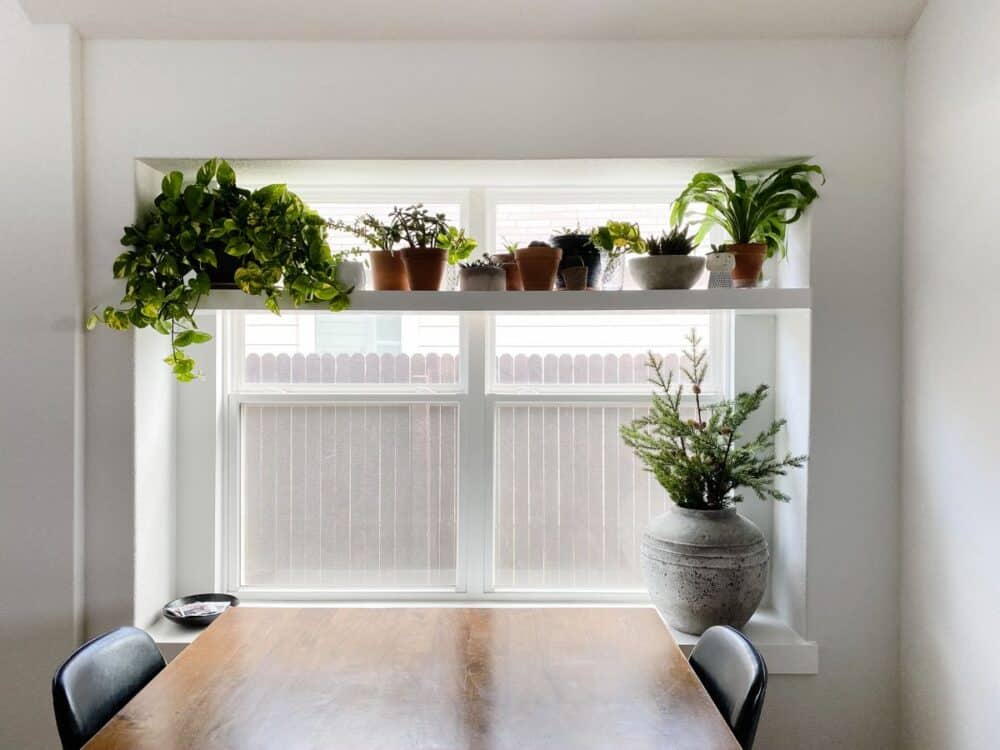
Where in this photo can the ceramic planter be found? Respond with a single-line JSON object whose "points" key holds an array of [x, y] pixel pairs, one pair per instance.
{"points": [[579, 246], [539, 267], [424, 267], [388, 271], [351, 273], [666, 271], [704, 568], [509, 263], [482, 279], [749, 262]]}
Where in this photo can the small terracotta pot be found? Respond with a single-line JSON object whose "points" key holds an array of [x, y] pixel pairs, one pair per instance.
{"points": [[509, 263], [424, 267], [388, 271], [574, 278], [539, 267], [749, 261]]}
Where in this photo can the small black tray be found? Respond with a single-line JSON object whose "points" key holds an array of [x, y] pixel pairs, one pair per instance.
{"points": [[197, 621]]}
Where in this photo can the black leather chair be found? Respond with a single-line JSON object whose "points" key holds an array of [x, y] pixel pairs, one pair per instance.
{"points": [[99, 679], [734, 674]]}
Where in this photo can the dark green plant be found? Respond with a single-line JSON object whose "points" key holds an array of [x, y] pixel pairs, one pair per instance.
{"points": [[166, 269], [758, 208], [418, 227], [677, 242], [484, 262], [458, 245], [702, 461]]}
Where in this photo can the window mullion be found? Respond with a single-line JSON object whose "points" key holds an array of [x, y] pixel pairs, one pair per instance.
{"points": [[475, 460]]}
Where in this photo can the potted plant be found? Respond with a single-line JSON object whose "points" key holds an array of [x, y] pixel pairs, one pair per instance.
{"points": [[278, 242], [703, 563], [755, 212], [538, 265], [509, 262], [459, 246], [574, 276], [352, 268], [388, 271], [668, 263], [575, 243], [483, 275], [422, 256], [615, 240]]}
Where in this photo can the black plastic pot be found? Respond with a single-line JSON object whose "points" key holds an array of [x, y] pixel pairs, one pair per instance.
{"points": [[575, 246], [222, 276]]}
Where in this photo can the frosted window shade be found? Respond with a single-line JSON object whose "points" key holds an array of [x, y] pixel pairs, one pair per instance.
{"points": [[571, 500], [350, 496]]}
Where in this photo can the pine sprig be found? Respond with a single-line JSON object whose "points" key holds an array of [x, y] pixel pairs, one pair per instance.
{"points": [[703, 462]]}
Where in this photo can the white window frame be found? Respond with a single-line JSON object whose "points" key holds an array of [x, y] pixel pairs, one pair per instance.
{"points": [[477, 398]]}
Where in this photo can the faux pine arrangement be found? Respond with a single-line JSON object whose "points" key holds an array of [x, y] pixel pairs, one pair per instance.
{"points": [[704, 460], [274, 242]]}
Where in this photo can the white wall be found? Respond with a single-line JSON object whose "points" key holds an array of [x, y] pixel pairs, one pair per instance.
{"points": [[950, 511], [840, 101], [41, 421]]}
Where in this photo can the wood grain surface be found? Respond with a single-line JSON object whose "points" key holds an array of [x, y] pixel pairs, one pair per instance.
{"points": [[428, 677]]}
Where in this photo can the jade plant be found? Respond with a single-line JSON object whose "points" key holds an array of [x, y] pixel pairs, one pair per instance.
{"points": [[679, 241], [757, 208], [376, 234], [279, 241], [703, 460], [418, 227]]}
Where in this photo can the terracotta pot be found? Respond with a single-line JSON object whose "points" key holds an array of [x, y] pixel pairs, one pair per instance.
{"points": [[749, 261], [388, 271], [539, 267], [424, 267], [509, 263], [574, 278]]}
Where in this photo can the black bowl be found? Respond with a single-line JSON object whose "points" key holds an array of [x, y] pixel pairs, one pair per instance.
{"points": [[197, 621]]}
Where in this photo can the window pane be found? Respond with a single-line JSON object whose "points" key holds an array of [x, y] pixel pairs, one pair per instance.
{"points": [[524, 222], [350, 347], [571, 499], [339, 496], [555, 350]]}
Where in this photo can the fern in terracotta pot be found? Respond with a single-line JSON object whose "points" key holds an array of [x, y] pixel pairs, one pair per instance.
{"points": [[755, 212], [703, 563]]}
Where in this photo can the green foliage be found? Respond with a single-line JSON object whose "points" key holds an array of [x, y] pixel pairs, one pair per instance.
{"points": [[677, 242], [376, 234], [484, 262], [275, 235], [618, 238], [510, 247], [457, 243], [702, 462], [756, 209], [417, 226]]}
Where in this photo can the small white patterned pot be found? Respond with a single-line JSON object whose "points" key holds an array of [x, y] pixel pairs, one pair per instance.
{"points": [[352, 273], [704, 568]]}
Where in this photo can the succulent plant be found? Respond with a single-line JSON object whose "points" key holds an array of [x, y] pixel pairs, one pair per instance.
{"points": [[677, 242], [485, 262], [539, 243]]}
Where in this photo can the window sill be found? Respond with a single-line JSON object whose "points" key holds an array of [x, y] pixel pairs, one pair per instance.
{"points": [[784, 650]]}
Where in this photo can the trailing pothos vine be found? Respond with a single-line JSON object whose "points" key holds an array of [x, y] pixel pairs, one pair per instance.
{"points": [[279, 241]]}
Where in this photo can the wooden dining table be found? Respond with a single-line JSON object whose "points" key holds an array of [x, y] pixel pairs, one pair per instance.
{"points": [[283, 678]]}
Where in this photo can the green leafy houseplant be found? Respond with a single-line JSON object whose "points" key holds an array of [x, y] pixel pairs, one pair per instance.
{"points": [[677, 242], [281, 244], [702, 461], [377, 234], [757, 208], [418, 227], [618, 238], [458, 245]]}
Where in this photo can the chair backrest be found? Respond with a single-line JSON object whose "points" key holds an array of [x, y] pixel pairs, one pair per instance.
{"points": [[734, 674], [99, 679]]}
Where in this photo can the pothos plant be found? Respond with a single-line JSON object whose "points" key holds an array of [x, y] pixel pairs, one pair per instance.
{"points": [[757, 208], [279, 241], [703, 460]]}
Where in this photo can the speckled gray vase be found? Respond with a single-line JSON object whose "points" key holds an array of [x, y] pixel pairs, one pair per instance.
{"points": [[666, 271], [704, 568]]}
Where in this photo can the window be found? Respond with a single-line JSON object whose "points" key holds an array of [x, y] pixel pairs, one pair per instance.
{"points": [[464, 455]]}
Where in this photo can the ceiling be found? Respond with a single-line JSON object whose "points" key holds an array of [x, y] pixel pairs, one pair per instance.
{"points": [[534, 20]]}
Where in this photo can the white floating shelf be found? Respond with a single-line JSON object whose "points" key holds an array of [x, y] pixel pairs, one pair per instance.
{"points": [[555, 301]]}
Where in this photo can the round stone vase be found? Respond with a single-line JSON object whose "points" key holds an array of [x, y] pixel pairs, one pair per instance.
{"points": [[704, 567]]}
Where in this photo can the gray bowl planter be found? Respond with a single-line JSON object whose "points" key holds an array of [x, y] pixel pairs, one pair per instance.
{"points": [[704, 568], [666, 271], [352, 273], [482, 279]]}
